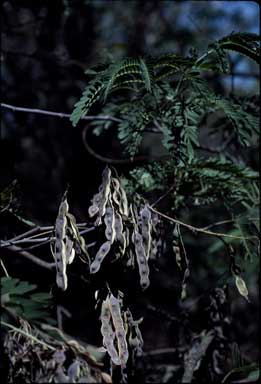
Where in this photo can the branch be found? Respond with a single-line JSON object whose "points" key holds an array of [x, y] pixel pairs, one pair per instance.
{"points": [[58, 114], [202, 230], [19, 330], [31, 257], [110, 160]]}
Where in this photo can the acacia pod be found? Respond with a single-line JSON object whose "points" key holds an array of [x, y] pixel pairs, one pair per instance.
{"points": [[60, 248], [60, 260], [141, 259], [102, 252], [146, 229], [115, 309], [107, 332], [109, 220], [116, 195], [69, 250], [120, 236], [93, 210], [124, 202], [76, 234]]}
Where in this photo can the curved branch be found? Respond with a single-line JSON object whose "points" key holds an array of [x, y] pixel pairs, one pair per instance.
{"points": [[110, 160]]}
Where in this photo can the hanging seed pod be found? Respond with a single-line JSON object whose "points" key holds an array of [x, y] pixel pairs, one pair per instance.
{"points": [[115, 309], [69, 250], [120, 236], [59, 247], [124, 202], [116, 195], [153, 249], [176, 248], [107, 332], [76, 234], [102, 252], [109, 220], [100, 199], [146, 229], [135, 337], [141, 259]]}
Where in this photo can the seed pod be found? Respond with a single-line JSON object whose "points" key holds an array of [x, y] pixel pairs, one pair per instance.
{"points": [[76, 234], [96, 264], [107, 332], [141, 259], [114, 305], [120, 236], [116, 195], [109, 220], [60, 248], [124, 202], [69, 250], [146, 229]]}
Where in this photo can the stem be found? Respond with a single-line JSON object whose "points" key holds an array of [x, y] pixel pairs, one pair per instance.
{"points": [[58, 114], [202, 230], [28, 335]]}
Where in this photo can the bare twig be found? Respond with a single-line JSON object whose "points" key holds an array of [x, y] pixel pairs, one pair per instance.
{"points": [[4, 268], [58, 114], [31, 257], [202, 230], [163, 196], [109, 160]]}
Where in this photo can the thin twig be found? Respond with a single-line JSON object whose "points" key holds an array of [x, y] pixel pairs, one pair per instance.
{"points": [[4, 268], [202, 230], [163, 196], [218, 223], [22, 235], [31, 257], [58, 114]]}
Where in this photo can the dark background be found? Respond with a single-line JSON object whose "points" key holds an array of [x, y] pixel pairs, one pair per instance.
{"points": [[46, 46]]}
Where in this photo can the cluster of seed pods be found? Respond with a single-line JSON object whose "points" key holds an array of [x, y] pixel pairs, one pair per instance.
{"points": [[67, 238], [113, 330], [110, 206]]}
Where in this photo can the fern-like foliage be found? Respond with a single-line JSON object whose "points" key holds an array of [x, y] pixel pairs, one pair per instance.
{"points": [[18, 298]]}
